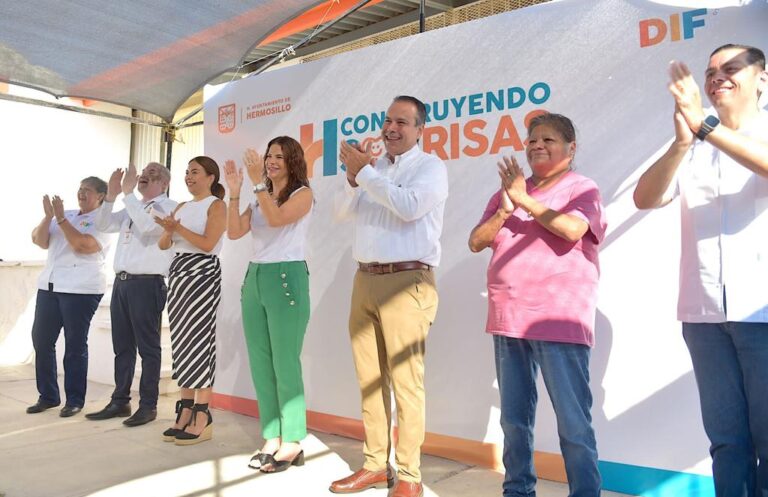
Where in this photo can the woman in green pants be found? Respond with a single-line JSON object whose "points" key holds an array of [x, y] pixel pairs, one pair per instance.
{"points": [[275, 293]]}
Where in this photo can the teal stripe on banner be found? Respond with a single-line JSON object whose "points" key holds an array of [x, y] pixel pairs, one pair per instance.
{"points": [[652, 482]]}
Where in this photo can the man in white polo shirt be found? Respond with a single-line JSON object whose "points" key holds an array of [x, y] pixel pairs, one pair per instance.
{"points": [[397, 203], [719, 167], [139, 291]]}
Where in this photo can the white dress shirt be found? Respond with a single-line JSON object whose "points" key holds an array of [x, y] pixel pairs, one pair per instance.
{"points": [[398, 208], [724, 235], [68, 271], [137, 251]]}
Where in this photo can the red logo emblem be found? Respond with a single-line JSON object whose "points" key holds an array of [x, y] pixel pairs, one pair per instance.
{"points": [[227, 118]]}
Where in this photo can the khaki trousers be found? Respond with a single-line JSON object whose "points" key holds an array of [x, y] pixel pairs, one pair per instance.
{"points": [[388, 324]]}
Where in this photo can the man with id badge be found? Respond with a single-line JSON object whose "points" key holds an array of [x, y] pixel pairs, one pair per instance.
{"points": [[139, 291]]}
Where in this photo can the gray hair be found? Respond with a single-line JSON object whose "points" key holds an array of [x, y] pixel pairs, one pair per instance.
{"points": [[97, 184], [421, 109], [165, 173]]}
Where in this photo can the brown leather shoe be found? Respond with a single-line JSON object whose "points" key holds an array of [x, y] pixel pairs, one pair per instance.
{"points": [[407, 489], [363, 480]]}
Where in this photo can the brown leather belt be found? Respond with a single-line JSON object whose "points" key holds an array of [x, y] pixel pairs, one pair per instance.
{"points": [[392, 267]]}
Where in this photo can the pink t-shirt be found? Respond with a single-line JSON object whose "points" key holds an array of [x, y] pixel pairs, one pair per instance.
{"points": [[540, 286]]}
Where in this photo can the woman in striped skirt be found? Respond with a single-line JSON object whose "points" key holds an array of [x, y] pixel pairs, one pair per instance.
{"points": [[194, 231], [275, 293]]}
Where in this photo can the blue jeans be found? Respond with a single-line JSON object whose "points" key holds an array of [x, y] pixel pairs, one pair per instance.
{"points": [[73, 312], [565, 369], [730, 362]]}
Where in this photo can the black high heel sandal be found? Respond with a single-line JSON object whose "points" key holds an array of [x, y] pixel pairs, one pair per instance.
{"points": [[279, 466], [186, 438], [259, 459], [169, 435]]}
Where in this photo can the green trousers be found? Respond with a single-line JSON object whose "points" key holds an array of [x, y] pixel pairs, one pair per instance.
{"points": [[275, 304]]}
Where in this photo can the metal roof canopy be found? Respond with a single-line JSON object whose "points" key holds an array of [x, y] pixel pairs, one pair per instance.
{"points": [[142, 54], [152, 56], [374, 18]]}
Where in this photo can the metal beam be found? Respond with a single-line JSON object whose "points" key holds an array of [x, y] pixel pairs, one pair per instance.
{"points": [[287, 53], [422, 19], [370, 30], [409, 4], [81, 110], [437, 5], [386, 10], [353, 21], [369, 16]]}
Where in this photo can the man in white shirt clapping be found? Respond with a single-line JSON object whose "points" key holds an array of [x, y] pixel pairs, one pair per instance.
{"points": [[397, 203], [718, 165], [139, 291]]}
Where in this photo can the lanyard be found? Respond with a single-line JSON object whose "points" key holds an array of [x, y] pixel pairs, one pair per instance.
{"points": [[146, 209]]}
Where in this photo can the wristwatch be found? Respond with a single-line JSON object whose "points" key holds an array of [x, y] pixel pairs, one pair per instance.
{"points": [[260, 187], [707, 125]]}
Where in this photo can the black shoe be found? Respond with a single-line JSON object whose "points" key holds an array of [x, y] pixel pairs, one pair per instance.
{"points": [[68, 411], [169, 435], [111, 411], [259, 459], [41, 406], [141, 417], [186, 438], [279, 466]]}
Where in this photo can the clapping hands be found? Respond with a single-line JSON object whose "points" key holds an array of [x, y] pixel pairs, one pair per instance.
{"points": [[234, 178], [354, 157], [169, 223], [113, 185], [512, 183], [47, 207], [689, 112], [130, 180], [121, 180], [58, 207], [254, 165]]}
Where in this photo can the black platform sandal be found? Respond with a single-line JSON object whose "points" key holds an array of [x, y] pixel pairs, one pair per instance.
{"points": [[186, 438], [169, 435]]}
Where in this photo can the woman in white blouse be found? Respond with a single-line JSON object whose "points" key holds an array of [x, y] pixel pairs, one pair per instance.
{"points": [[69, 290], [194, 232], [275, 293]]}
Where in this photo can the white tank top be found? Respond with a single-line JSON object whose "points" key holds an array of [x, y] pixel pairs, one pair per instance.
{"points": [[193, 215], [280, 244]]}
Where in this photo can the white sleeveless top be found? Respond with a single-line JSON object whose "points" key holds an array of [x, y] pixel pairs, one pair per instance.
{"points": [[193, 215], [280, 244]]}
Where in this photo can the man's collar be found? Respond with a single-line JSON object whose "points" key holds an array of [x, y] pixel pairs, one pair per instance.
{"points": [[411, 152], [156, 199]]}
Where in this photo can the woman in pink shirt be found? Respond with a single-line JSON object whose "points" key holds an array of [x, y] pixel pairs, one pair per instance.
{"points": [[542, 291]]}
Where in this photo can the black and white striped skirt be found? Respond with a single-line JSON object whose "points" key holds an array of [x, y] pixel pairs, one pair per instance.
{"points": [[194, 292]]}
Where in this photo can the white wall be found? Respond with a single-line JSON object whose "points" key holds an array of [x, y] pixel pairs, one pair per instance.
{"points": [[48, 151]]}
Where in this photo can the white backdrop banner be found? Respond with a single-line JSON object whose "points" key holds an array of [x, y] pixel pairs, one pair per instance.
{"points": [[603, 64]]}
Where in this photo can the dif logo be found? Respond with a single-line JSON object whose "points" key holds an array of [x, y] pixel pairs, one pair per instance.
{"points": [[654, 30]]}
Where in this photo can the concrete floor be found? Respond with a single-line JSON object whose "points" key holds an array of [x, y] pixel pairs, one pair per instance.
{"points": [[43, 455]]}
